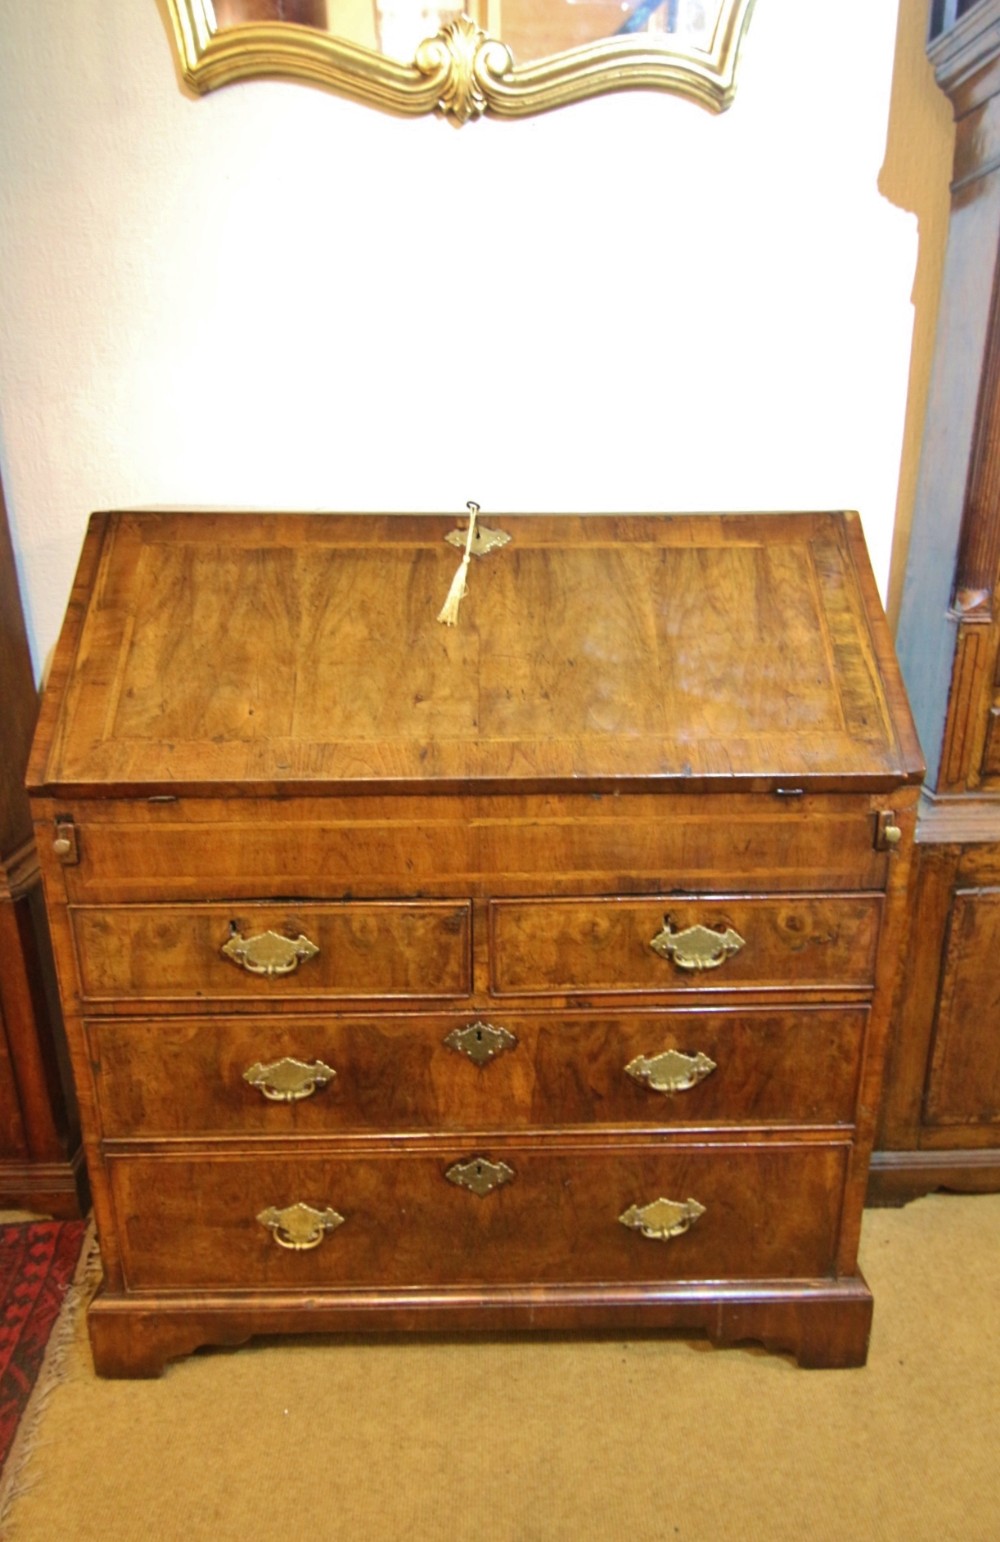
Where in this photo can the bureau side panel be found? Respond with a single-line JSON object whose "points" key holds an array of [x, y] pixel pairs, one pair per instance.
{"points": [[70, 994]]}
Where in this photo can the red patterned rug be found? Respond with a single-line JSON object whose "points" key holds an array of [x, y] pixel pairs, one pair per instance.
{"points": [[37, 1263]]}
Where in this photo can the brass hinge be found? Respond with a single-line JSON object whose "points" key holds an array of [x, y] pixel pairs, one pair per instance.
{"points": [[65, 843], [887, 832]]}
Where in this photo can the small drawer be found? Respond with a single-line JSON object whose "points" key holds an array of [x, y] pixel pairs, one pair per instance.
{"points": [[215, 952], [401, 1072], [789, 942], [561, 1212]]}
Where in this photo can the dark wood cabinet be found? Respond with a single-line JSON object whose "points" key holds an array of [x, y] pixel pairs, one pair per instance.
{"points": [[941, 1121], [41, 1158], [531, 972]]}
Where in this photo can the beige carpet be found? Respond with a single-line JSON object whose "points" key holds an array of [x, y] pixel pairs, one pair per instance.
{"points": [[520, 1439]]}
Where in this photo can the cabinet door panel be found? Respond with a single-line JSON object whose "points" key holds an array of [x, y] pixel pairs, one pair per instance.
{"points": [[964, 1081]]}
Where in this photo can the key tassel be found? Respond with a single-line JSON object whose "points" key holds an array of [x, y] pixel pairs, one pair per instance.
{"points": [[459, 589]]}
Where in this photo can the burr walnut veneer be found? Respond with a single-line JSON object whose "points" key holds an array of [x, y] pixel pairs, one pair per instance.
{"points": [[528, 973]]}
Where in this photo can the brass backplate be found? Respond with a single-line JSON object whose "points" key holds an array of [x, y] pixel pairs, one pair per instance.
{"points": [[299, 1227], [289, 1080], [671, 1071], [662, 1219], [269, 953], [697, 947]]}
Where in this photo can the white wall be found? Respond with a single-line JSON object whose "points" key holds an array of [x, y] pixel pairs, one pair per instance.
{"points": [[270, 297]]}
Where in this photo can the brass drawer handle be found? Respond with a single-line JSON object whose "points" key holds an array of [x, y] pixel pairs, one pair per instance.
{"points": [[288, 1080], [479, 1175], [481, 1042], [663, 1218], [698, 947], [671, 1071], [268, 953], [299, 1227]]}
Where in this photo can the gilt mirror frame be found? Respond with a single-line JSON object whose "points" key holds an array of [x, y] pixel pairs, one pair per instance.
{"points": [[462, 71]]}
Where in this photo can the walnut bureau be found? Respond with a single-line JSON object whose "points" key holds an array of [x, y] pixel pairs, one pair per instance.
{"points": [[532, 972]]}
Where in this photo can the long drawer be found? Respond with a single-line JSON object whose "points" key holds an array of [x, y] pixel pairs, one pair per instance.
{"points": [[382, 1217], [797, 941], [514, 1070], [212, 848], [377, 949]]}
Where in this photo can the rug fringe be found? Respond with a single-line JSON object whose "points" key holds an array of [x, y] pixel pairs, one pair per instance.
{"points": [[17, 1479]]}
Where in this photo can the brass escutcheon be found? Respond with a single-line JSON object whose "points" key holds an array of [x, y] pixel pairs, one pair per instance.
{"points": [[671, 1071], [484, 540], [697, 947], [481, 1042], [288, 1080], [662, 1219], [268, 953], [479, 1175], [299, 1227]]}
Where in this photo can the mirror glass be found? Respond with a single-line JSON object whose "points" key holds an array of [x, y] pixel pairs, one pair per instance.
{"points": [[532, 31]]}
